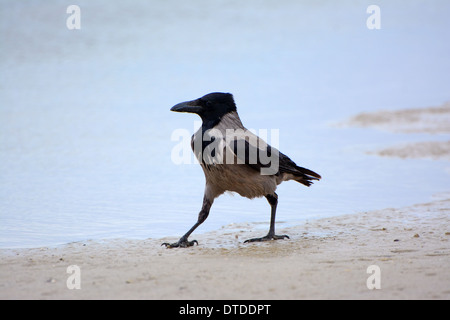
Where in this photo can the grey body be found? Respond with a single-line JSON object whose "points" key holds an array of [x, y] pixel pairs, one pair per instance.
{"points": [[235, 177], [236, 171]]}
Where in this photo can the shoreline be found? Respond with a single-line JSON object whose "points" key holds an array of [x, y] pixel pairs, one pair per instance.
{"points": [[324, 259]]}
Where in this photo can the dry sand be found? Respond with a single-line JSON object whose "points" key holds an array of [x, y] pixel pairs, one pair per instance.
{"points": [[324, 259]]}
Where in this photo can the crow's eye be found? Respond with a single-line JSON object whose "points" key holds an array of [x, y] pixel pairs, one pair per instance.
{"points": [[208, 104]]}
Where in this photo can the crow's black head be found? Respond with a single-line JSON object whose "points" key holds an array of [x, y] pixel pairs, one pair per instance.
{"points": [[210, 107]]}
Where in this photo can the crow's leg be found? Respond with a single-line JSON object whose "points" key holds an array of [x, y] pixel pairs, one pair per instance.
{"points": [[183, 242], [273, 201]]}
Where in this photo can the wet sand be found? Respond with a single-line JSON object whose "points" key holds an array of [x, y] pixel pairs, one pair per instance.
{"points": [[324, 259], [436, 150], [433, 121]]}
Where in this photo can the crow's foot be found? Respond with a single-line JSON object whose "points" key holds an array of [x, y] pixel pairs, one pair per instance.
{"points": [[182, 243], [267, 238]]}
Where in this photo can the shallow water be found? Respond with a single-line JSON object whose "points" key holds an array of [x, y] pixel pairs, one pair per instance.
{"points": [[85, 126]]}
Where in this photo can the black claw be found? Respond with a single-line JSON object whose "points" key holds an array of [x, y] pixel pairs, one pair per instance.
{"points": [[267, 238], [180, 244]]}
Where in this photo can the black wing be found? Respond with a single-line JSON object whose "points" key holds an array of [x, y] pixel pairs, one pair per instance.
{"points": [[264, 156]]}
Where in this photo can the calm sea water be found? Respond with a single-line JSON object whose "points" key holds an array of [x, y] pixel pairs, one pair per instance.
{"points": [[85, 126]]}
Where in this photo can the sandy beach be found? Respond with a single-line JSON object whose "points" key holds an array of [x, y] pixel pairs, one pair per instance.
{"points": [[324, 259]]}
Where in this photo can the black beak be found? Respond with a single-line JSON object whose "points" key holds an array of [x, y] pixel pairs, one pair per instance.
{"points": [[188, 106]]}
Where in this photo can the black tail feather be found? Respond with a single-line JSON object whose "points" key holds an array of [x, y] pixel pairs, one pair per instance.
{"points": [[302, 175], [312, 175], [306, 179]]}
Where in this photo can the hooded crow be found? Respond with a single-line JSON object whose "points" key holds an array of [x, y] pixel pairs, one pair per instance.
{"points": [[234, 159]]}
